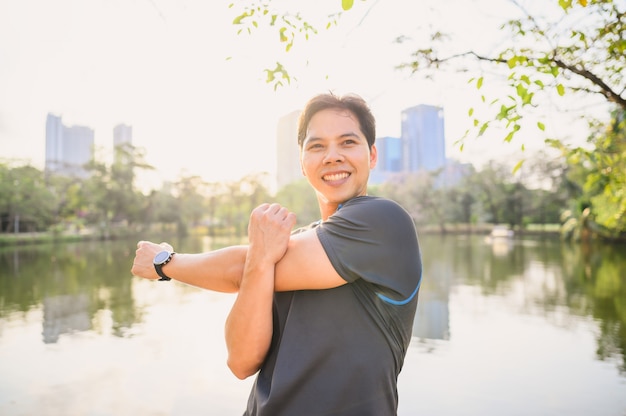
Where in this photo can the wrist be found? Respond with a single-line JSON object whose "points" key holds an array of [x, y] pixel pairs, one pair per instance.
{"points": [[161, 259]]}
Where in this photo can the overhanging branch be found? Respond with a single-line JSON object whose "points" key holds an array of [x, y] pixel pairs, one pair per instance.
{"points": [[605, 90]]}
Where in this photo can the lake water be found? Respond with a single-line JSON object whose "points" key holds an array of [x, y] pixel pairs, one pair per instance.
{"points": [[522, 327]]}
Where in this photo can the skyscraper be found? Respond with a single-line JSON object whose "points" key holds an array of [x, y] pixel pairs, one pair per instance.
{"points": [[423, 138], [122, 134], [287, 150], [68, 149], [390, 159], [122, 141]]}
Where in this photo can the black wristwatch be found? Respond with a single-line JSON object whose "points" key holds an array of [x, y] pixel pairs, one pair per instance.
{"points": [[160, 260]]}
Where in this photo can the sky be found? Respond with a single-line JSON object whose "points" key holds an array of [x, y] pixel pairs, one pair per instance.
{"points": [[193, 88]]}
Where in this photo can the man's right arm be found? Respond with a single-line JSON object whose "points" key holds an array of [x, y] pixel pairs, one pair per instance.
{"points": [[304, 266], [218, 270]]}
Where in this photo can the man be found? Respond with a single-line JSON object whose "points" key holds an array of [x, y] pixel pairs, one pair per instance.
{"points": [[323, 315]]}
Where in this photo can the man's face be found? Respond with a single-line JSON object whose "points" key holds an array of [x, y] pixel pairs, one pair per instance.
{"points": [[335, 156]]}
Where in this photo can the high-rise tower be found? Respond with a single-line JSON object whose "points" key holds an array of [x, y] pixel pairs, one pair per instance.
{"points": [[423, 138], [68, 149], [287, 150]]}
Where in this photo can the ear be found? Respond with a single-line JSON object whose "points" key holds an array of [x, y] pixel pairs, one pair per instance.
{"points": [[373, 156]]}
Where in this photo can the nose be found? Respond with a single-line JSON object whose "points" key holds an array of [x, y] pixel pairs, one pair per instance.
{"points": [[333, 155]]}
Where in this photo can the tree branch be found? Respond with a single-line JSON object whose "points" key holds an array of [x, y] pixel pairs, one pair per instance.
{"points": [[605, 90]]}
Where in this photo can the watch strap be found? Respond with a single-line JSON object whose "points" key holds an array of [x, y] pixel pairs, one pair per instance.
{"points": [[159, 269]]}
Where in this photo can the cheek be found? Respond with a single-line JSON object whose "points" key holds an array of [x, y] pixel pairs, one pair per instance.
{"points": [[305, 165]]}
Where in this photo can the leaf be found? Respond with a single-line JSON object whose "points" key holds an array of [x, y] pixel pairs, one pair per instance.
{"points": [[511, 62], [347, 4], [541, 126], [479, 83], [518, 166], [504, 111], [555, 71], [483, 128], [470, 112], [560, 89]]}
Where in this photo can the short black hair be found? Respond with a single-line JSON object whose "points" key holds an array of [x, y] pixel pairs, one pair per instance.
{"points": [[351, 102]]}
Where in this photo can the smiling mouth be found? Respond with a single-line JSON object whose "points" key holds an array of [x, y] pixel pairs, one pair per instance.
{"points": [[335, 176]]}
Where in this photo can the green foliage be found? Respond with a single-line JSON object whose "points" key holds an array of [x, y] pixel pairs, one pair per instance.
{"points": [[537, 194], [26, 203], [581, 52], [300, 198], [576, 52], [600, 169], [289, 27]]}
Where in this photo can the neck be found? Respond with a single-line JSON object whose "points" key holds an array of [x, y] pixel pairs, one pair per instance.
{"points": [[327, 210]]}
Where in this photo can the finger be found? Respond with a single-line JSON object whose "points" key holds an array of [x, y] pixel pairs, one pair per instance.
{"points": [[274, 208], [283, 213]]}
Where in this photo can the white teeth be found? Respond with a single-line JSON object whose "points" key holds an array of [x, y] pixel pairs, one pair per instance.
{"points": [[336, 176]]}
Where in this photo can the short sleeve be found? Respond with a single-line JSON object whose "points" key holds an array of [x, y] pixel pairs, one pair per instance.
{"points": [[374, 239]]}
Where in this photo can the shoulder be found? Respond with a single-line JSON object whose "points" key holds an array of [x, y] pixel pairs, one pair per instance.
{"points": [[372, 203], [373, 210], [365, 218]]}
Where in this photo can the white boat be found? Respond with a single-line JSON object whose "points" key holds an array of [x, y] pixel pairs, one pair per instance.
{"points": [[501, 231]]}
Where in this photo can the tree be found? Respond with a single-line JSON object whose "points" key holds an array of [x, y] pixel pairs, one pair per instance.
{"points": [[601, 171], [289, 27], [420, 195], [301, 199], [26, 204], [573, 49], [579, 52]]}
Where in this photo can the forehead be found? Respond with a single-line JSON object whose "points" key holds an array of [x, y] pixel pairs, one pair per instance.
{"points": [[332, 122]]}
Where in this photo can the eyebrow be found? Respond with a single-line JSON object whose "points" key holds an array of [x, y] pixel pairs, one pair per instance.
{"points": [[342, 136]]}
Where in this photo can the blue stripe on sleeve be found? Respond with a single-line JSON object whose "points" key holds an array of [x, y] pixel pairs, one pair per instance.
{"points": [[401, 302]]}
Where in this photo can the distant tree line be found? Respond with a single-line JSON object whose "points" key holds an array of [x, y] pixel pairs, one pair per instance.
{"points": [[545, 190], [558, 53]]}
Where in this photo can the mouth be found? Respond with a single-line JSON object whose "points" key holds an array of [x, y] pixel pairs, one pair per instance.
{"points": [[332, 177]]}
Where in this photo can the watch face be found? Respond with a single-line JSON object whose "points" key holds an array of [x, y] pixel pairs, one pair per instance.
{"points": [[161, 257]]}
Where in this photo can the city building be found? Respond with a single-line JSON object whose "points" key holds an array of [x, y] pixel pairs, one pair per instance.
{"points": [[122, 134], [421, 148], [390, 154], [287, 150], [423, 138], [390, 159], [68, 149], [122, 142]]}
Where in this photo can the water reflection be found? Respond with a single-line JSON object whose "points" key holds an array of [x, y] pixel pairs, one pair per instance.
{"points": [[537, 277], [72, 282], [478, 303], [63, 314]]}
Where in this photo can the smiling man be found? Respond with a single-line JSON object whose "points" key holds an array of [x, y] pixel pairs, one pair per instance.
{"points": [[323, 315]]}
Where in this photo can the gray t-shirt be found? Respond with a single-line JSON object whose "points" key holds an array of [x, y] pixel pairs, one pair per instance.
{"points": [[339, 351]]}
